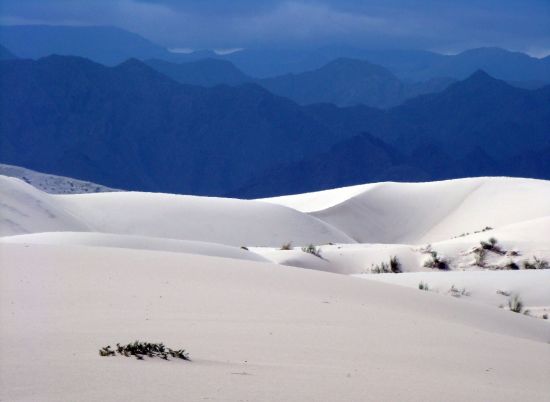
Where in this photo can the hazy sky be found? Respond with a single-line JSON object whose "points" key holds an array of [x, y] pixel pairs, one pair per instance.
{"points": [[442, 25]]}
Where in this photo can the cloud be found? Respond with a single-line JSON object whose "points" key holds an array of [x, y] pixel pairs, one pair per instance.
{"points": [[446, 25]]}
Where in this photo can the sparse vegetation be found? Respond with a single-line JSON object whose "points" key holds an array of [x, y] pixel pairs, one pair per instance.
{"points": [[244, 248], [382, 268], [511, 265], [536, 264], [479, 256], [485, 229], [435, 261], [423, 286], [142, 349], [394, 266], [491, 245], [287, 246], [311, 249], [545, 316], [456, 292], [515, 304], [503, 292]]}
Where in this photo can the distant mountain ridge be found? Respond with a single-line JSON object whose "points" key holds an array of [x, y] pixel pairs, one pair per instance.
{"points": [[103, 44], [110, 45], [132, 127], [347, 82], [6, 54], [344, 82], [204, 72]]}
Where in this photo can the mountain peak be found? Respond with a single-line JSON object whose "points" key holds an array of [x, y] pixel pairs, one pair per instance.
{"points": [[480, 78], [480, 74], [133, 65]]}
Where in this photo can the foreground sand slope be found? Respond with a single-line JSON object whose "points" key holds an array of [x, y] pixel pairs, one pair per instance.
{"points": [[256, 332]]}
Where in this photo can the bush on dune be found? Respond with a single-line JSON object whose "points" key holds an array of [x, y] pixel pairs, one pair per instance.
{"points": [[311, 249], [394, 266], [435, 261], [142, 349], [536, 264]]}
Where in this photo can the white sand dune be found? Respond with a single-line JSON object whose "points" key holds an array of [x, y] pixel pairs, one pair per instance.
{"points": [[25, 209], [416, 213], [78, 272], [529, 239], [134, 242], [255, 331], [487, 287]]}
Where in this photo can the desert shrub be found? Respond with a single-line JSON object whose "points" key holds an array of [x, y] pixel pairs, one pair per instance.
{"points": [[382, 268], [287, 246], [479, 255], [142, 349], [426, 249], [456, 292], [515, 304], [511, 265], [491, 245], [423, 286], [536, 264], [436, 262], [395, 265], [311, 249]]}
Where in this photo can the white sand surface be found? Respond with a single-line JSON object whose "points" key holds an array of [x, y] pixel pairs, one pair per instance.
{"points": [[255, 331], [493, 288], [416, 213], [134, 242], [24, 209], [79, 272]]}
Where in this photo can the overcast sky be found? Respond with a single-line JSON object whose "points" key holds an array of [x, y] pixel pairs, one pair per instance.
{"points": [[441, 25]]}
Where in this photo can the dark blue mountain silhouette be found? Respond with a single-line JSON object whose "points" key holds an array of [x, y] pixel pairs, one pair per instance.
{"points": [[132, 127]]}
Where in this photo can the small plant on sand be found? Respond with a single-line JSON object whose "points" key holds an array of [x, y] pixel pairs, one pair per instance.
{"points": [[491, 245], [382, 268], [394, 266], [311, 249], [456, 292], [511, 265], [515, 304], [436, 261], [142, 349], [479, 255], [536, 264], [287, 246], [423, 286]]}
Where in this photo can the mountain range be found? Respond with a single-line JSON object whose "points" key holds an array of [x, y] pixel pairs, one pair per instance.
{"points": [[5, 53], [110, 45], [132, 127], [206, 72]]}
